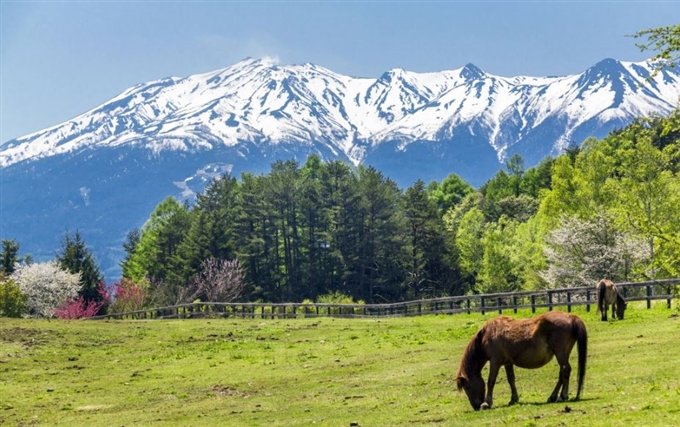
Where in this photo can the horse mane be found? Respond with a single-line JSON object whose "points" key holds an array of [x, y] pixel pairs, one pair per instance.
{"points": [[620, 298], [473, 356]]}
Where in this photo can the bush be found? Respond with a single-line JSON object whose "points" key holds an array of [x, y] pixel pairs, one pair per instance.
{"points": [[78, 309], [128, 296], [46, 287], [337, 297], [12, 300]]}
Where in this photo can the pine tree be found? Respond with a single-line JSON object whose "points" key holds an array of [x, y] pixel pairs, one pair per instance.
{"points": [[75, 257], [9, 256]]}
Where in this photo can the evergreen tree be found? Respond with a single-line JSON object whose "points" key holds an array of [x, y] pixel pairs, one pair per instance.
{"points": [[9, 256], [75, 257], [256, 239], [381, 242], [428, 272]]}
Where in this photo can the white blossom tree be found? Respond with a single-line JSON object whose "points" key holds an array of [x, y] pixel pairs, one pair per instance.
{"points": [[46, 287], [579, 252]]}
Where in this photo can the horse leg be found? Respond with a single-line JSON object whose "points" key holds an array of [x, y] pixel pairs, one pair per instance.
{"points": [[614, 310], [604, 312], [563, 380], [493, 373], [510, 372]]}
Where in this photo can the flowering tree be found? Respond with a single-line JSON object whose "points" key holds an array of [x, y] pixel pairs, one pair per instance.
{"points": [[218, 281], [46, 287], [127, 296], [579, 253]]}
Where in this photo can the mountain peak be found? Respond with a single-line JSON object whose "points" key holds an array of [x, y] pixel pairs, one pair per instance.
{"points": [[471, 72], [607, 66]]}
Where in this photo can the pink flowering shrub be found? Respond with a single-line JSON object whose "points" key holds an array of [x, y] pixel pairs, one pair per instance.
{"points": [[80, 308], [128, 296]]}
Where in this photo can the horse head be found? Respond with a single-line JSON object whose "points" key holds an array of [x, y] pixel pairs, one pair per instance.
{"points": [[475, 389], [620, 306], [469, 377]]}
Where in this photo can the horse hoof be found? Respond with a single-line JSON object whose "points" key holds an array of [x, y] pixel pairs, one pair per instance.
{"points": [[485, 406]]}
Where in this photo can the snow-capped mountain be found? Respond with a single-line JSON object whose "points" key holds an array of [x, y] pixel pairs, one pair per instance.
{"points": [[104, 171]]}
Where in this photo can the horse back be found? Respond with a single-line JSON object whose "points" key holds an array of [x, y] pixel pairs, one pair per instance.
{"points": [[606, 293]]}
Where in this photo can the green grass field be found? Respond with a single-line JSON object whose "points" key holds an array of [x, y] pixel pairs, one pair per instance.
{"points": [[326, 372]]}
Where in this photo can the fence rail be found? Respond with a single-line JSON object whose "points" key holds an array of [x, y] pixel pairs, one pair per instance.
{"points": [[483, 303]]}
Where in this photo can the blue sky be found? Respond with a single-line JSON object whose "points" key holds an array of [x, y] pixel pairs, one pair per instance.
{"points": [[62, 58]]}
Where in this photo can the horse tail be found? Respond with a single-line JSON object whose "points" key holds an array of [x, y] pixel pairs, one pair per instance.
{"points": [[601, 292], [578, 329]]}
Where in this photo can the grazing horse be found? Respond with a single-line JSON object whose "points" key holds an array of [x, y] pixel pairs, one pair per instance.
{"points": [[526, 343], [608, 294]]}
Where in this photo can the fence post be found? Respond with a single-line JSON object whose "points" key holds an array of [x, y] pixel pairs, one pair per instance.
{"points": [[467, 303], [588, 299], [668, 300], [483, 304], [550, 301], [649, 294], [514, 303], [568, 302], [533, 303], [498, 302]]}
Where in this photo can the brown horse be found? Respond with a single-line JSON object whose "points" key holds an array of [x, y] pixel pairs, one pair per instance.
{"points": [[608, 294], [527, 343]]}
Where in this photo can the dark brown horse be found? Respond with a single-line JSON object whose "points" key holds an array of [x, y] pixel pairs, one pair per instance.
{"points": [[527, 343], [607, 294]]}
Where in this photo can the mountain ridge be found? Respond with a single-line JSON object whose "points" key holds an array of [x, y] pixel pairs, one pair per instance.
{"points": [[299, 103], [104, 171]]}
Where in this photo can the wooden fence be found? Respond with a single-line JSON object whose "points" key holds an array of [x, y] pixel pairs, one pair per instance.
{"points": [[486, 303]]}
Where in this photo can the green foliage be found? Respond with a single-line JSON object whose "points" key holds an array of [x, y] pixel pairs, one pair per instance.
{"points": [[337, 297], [449, 193], [12, 300], [498, 270], [9, 256], [429, 263], [469, 241], [76, 258], [665, 41], [150, 257]]}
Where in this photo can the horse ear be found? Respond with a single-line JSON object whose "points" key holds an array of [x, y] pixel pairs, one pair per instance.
{"points": [[461, 382]]}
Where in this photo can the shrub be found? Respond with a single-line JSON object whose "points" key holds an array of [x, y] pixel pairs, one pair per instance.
{"points": [[337, 297], [128, 296], [12, 300], [46, 287], [78, 309]]}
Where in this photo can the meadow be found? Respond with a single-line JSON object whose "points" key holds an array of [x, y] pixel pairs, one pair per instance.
{"points": [[320, 371]]}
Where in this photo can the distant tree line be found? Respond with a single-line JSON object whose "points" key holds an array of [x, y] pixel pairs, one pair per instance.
{"points": [[303, 231]]}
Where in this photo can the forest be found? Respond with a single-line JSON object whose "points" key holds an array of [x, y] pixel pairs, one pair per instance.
{"points": [[606, 208]]}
